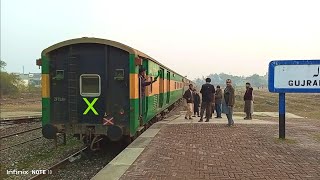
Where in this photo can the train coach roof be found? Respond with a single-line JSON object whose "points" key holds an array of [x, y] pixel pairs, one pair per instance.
{"points": [[101, 41], [90, 40]]}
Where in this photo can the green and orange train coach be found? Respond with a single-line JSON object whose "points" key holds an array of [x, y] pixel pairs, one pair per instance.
{"points": [[91, 88]]}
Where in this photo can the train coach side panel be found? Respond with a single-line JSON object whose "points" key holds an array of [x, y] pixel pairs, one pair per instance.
{"points": [[164, 92], [134, 95], [153, 91]]}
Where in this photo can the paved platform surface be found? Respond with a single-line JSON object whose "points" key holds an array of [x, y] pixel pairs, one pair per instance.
{"points": [[18, 114], [183, 149], [276, 114]]}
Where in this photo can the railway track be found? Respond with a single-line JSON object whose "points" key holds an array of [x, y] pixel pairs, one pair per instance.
{"points": [[65, 161], [9, 121], [52, 171], [47, 172], [19, 121], [14, 134], [21, 143], [65, 167]]}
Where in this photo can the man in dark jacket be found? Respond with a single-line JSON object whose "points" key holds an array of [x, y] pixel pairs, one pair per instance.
{"points": [[218, 101], [248, 101], [229, 98], [188, 95], [196, 103], [207, 91]]}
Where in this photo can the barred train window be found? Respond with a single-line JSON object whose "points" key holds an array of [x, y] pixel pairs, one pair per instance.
{"points": [[90, 85]]}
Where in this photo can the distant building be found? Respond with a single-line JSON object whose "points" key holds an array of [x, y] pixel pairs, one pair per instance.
{"points": [[33, 79]]}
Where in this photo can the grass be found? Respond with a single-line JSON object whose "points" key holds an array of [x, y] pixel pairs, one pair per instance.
{"points": [[305, 105]]}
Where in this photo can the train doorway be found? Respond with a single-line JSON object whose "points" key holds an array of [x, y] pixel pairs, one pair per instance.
{"points": [[161, 87]]}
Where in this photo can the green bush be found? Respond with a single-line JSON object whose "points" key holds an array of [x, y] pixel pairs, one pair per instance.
{"points": [[10, 84]]}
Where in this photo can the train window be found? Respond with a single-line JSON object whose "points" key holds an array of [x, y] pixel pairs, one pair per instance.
{"points": [[119, 74], [59, 75], [90, 85]]}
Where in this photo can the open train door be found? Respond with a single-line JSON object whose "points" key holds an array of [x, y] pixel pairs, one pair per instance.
{"points": [[161, 87], [168, 87], [143, 108], [140, 103]]}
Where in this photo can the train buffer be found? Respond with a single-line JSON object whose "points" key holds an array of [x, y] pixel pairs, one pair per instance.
{"points": [[186, 149]]}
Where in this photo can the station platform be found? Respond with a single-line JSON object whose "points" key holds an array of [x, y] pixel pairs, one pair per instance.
{"points": [[176, 148], [19, 114]]}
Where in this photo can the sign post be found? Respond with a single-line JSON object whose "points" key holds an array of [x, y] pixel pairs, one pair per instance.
{"points": [[282, 115], [292, 76]]}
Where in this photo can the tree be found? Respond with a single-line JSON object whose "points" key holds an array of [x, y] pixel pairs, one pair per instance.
{"points": [[219, 79], [9, 82], [2, 64]]}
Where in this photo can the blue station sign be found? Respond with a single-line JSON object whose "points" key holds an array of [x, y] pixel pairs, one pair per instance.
{"points": [[294, 76]]}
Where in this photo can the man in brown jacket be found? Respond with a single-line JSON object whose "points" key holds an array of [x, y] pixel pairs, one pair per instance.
{"points": [[218, 101], [229, 98]]}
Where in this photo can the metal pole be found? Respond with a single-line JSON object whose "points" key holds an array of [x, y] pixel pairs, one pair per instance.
{"points": [[282, 115]]}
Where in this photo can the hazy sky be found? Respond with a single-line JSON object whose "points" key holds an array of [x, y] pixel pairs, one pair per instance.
{"points": [[194, 38]]}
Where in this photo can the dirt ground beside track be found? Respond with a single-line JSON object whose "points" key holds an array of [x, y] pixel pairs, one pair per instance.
{"points": [[26, 102]]}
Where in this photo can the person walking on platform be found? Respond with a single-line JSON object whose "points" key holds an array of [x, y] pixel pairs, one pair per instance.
{"points": [[229, 100], [218, 101], [196, 103], [188, 95], [248, 101], [207, 91]]}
